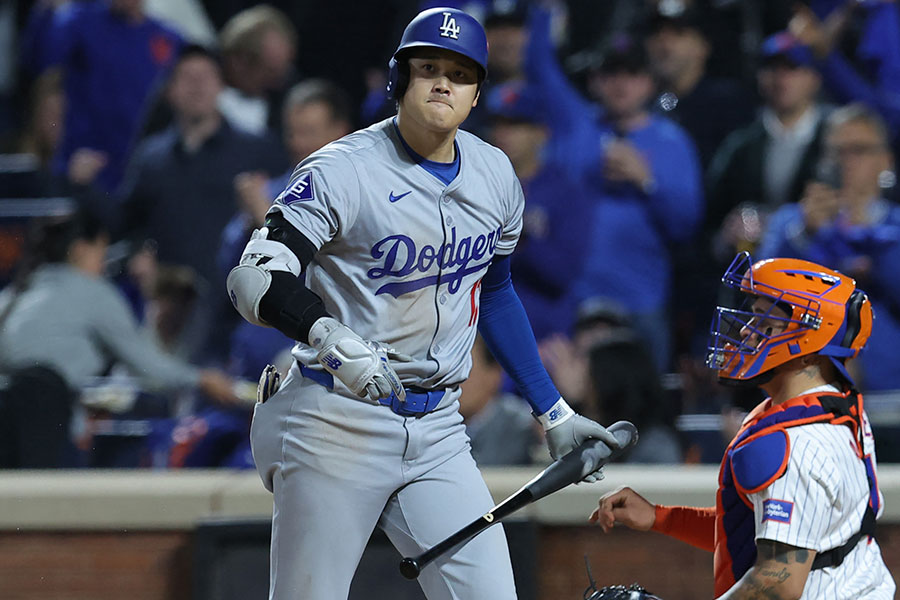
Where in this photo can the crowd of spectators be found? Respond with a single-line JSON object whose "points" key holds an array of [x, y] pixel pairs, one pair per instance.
{"points": [[142, 141]]}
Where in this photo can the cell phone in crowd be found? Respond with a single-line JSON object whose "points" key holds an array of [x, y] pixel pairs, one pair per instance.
{"points": [[828, 172]]}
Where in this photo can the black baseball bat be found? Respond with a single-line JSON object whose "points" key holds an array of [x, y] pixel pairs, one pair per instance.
{"points": [[573, 467]]}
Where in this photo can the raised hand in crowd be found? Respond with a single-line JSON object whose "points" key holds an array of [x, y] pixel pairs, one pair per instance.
{"points": [[819, 205], [85, 165], [252, 196], [567, 367], [822, 36], [623, 162]]}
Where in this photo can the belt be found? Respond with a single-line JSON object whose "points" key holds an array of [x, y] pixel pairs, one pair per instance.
{"points": [[418, 401]]}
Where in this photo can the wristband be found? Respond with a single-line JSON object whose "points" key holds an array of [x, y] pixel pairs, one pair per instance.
{"points": [[558, 414], [321, 330]]}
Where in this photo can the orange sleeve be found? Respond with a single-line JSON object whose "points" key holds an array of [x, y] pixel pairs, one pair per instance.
{"points": [[695, 526]]}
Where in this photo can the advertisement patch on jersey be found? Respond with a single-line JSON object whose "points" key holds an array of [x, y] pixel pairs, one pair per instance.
{"points": [[777, 510], [301, 190]]}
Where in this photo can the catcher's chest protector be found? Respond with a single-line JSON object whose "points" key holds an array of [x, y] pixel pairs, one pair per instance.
{"points": [[757, 457]]}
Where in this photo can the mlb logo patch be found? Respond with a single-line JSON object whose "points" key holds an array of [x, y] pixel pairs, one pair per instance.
{"points": [[300, 190], [777, 510]]}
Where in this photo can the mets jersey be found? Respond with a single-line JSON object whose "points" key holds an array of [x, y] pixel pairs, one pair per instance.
{"points": [[796, 474], [400, 253], [819, 504]]}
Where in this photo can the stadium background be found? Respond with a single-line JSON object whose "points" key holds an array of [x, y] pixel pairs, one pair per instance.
{"points": [[155, 528]]}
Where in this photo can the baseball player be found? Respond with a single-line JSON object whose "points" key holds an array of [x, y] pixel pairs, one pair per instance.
{"points": [[798, 497], [403, 233]]}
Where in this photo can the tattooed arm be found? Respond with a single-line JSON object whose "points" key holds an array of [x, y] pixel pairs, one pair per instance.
{"points": [[780, 573]]}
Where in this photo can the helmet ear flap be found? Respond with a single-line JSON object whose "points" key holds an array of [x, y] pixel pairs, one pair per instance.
{"points": [[858, 321], [402, 79], [398, 76]]}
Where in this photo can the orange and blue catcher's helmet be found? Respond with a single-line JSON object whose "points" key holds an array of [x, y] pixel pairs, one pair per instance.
{"points": [[783, 308]]}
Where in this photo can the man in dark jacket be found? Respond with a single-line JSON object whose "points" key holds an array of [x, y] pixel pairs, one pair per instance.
{"points": [[769, 161]]}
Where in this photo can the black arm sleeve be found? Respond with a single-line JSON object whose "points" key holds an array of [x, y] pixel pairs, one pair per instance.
{"points": [[282, 231], [288, 305]]}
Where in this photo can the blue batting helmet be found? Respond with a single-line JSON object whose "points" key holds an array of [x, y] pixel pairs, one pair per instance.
{"points": [[447, 28]]}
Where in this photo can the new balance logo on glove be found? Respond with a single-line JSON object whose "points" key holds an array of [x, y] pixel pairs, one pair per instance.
{"points": [[331, 361]]}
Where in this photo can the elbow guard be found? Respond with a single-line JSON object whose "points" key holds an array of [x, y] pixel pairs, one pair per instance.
{"points": [[248, 282]]}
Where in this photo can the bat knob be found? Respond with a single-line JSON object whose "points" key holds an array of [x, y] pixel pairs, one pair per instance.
{"points": [[409, 568]]}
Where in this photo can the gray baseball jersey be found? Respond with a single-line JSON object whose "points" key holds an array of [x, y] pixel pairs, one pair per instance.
{"points": [[400, 257], [401, 254]]}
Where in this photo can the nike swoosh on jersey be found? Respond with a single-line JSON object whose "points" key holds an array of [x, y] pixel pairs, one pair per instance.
{"points": [[394, 198]]}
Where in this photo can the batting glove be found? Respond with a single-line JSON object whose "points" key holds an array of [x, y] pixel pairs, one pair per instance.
{"points": [[565, 430], [360, 365]]}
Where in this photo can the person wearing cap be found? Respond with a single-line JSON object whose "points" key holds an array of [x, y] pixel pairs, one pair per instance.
{"points": [[624, 384], [798, 493], [848, 223], [505, 24], [113, 56], [403, 233], [566, 357], [500, 432], [188, 170], [609, 369], [680, 39], [640, 169], [768, 162], [506, 27], [679, 47], [554, 224]]}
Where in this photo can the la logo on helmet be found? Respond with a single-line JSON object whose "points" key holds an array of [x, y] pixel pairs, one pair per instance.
{"points": [[449, 28]]}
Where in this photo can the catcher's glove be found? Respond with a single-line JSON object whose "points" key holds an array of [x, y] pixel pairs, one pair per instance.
{"points": [[614, 592], [621, 592]]}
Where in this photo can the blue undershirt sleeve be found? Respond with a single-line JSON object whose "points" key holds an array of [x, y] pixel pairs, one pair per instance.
{"points": [[505, 328]]}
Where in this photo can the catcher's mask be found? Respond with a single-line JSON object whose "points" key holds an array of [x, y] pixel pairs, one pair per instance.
{"points": [[780, 309]]}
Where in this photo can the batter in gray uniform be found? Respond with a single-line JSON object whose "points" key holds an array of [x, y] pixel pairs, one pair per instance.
{"points": [[403, 233]]}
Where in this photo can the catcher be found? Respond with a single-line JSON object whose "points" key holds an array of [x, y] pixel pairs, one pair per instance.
{"points": [[798, 497]]}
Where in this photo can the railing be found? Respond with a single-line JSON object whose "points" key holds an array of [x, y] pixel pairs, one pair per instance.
{"points": [[174, 500]]}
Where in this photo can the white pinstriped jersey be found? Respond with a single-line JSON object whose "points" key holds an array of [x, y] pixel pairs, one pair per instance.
{"points": [[819, 504]]}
